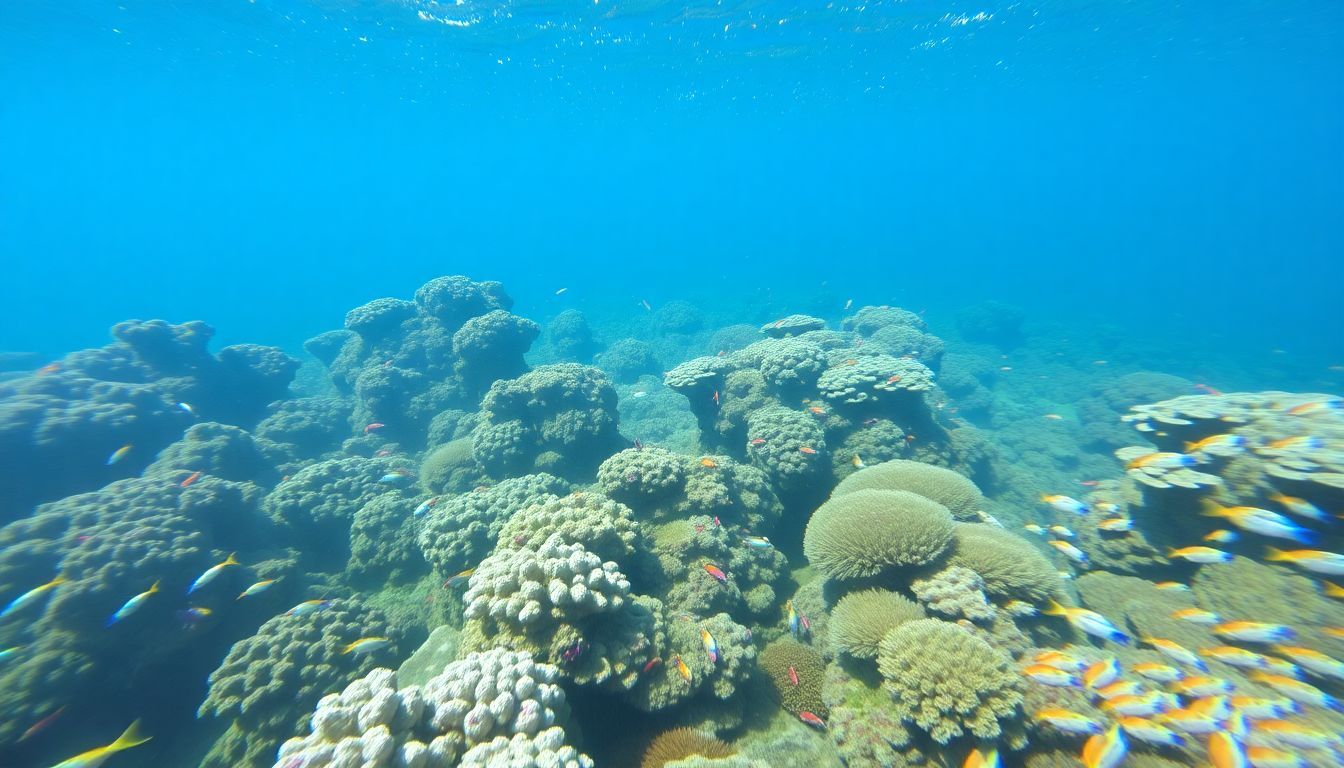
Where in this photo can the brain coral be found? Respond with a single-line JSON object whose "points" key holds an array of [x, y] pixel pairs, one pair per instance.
{"points": [[269, 683], [1009, 565], [785, 654], [461, 530], [961, 496], [949, 682], [861, 619], [862, 533]]}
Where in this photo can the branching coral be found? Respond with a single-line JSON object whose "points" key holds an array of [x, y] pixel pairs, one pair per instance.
{"points": [[948, 682], [865, 532]]}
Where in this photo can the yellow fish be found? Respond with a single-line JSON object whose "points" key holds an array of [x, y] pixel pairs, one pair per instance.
{"points": [[96, 757], [31, 596], [367, 645]]}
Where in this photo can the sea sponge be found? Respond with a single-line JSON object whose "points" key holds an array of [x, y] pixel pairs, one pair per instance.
{"points": [[785, 656], [954, 592], [865, 532], [949, 682], [681, 743], [861, 619], [269, 683], [459, 531], [1009, 565]]}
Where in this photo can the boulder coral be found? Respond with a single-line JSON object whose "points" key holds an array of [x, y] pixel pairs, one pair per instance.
{"points": [[459, 531], [659, 485], [863, 533], [220, 450], [269, 683], [786, 660], [383, 541], [948, 682]]}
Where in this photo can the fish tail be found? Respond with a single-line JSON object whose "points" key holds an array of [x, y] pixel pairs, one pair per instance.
{"points": [[1055, 609], [1211, 508], [350, 647], [131, 737], [1171, 552], [231, 559], [154, 587], [60, 579], [1275, 555]]}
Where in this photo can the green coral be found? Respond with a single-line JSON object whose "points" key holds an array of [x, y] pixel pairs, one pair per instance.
{"points": [[269, 683], [949, 682], [459, 531], [383, 541], [866, 532], [451, 468], [1009, 565], [861, 619], [785, 660], [659, 485], [960, 495], [604, 527]]}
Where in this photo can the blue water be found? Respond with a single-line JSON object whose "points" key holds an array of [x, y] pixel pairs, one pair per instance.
{"points": [[1174, 169]]}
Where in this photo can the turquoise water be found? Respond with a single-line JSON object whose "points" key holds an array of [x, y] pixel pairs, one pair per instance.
{"points": [[1090, 207]]}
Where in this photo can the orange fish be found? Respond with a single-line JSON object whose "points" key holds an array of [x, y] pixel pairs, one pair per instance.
{"points": [[716, 572], [893, 379], [807, 450], [683, 669], [43, 724], [193, 477], [708, 462], [818, 410], [716, 397], [758, 441]]}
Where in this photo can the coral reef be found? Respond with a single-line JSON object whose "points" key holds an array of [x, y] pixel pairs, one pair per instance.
{"points": [[625, 360], [570, 337], [680, 743], [961, 496], [1008, 564], [868, 531], [956, 592], [383, 542], [458, 532], [219, 450], [797, 673], [660, 485], [965, 686], [861, 619]]}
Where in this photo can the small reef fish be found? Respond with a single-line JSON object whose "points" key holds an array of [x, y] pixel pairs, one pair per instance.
{"points": [[1150, 732], [1316, 406], [857, 462], [708, 463], [758, 441], [459, 578], [1285, 733], [425, 506], [132, 605], [1119, 689], [711, 645], [1051, 676], [1172, 586], [757, 542], [1157, 672], [987, 518], [193, 615], [1217, 442], [1196, 616], [1202, 555], [211, 573], [812, 720], [561, 291], [119, 454], [1135, 705], [848, 303], [1053, 417], [1226, 752], [1235, 657], [1254, 632], [1313, 661], [1105, 750], [373, 426], [652, 664], [1034, 528], [646, 305], [1060, 660], [1201, 686], [1190, 721], [131, 737], [1101, 674], [1221, 536], [1277, 666], [1065, 504], [9, 653], [807, 449], [982, 759], [1116, 524], [256, 589], [1068, 721], [1334, 631], [1070, 551], [1302, 693], [683, 669], [308, 606], [1264, 709], [716, 572], [31, 596], [1089, 622], [1061, 531], [187, 409], [1162, 460], [367, 645], [193, 477], [793, 676], [1176, 652], [1300, 507], [1300, 442], [41, 725], [1261, 521], [1268, 757], [47, 369], [396, 476], [1312, 560]]}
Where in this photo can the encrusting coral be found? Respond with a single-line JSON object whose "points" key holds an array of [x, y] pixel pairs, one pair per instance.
{"points": [[866, 532], [949, 682]]}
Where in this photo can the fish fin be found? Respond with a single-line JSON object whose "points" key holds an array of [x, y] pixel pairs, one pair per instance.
{"points": [[1171, 552], [1055, 609], [131, 737], [1275, 555], [231, 560], [1211, 508], [155, 586], [60, 579]]}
